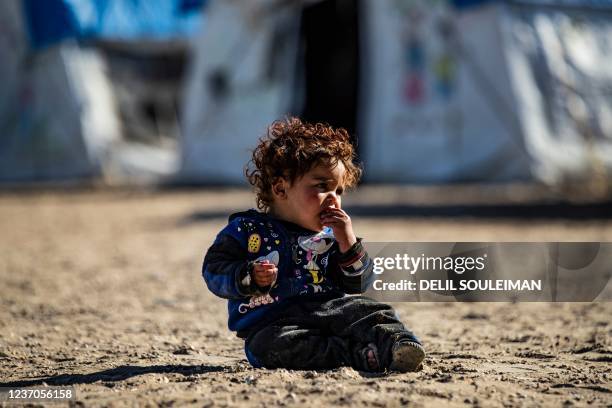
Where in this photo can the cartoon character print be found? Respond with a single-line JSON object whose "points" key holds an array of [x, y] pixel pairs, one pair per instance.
{"points": [[310, 254], [316, 245]]}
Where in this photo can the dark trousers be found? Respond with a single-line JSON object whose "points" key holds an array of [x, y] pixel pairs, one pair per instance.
{"points": [[321, 335]]}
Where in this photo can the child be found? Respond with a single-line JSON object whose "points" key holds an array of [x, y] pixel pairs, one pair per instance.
{"points": [[286, 271]]}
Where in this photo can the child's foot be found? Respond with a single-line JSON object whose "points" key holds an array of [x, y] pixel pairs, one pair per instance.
{"points": [[406, 356], [370, 355]]}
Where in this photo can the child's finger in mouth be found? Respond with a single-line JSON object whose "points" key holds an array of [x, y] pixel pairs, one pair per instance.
{"points": [[330, 213]]}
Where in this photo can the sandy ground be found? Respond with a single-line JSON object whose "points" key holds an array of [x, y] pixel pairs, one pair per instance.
{"points": [[102, 290]]}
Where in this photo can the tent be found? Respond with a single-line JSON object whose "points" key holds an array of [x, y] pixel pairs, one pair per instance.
{"points": [[435, 91], [56, 111], [58, 108]]}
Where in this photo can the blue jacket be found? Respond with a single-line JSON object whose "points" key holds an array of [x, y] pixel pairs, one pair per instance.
{"points": [[310, 265]]}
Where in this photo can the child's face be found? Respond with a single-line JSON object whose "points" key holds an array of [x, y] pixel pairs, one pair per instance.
{"points": [[308, 196]]}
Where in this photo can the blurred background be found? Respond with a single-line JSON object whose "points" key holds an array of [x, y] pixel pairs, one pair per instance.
{"points": [[125, 126], [176, 92]]}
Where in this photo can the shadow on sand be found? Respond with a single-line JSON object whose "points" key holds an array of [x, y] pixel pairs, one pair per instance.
{"points": [[115, 374]]}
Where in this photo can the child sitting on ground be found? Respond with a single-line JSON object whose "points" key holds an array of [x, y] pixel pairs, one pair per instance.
{"points": [[286, 270]]}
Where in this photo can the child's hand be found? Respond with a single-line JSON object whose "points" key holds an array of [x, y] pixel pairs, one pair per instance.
{"points": [[340, 223], [264, 273]]}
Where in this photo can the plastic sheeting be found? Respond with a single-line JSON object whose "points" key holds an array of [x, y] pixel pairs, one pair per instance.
{"points": [[560, 61]]}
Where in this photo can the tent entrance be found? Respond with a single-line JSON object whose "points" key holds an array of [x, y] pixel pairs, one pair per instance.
{"points": [[330, 63]]}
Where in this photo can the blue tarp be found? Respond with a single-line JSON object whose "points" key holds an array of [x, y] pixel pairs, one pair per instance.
{"points": [[51, 21]]}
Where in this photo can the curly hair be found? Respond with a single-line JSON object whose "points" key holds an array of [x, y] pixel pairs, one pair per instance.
{"points": [[291, 148]]}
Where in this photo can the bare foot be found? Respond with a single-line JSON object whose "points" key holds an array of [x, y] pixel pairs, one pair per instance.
{"points": [[371, 357], [372, 361]]}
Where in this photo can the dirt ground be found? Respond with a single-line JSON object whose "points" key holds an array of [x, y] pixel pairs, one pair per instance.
{"points": [[103, 291]]}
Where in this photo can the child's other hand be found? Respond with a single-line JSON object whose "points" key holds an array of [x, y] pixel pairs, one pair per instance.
{"points": [[264, 273], [341, 224]]}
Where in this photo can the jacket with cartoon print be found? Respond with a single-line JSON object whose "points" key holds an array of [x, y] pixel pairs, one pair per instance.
{"points": [[310, 265]]}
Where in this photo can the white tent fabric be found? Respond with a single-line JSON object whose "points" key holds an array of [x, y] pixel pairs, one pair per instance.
{"points": [[232, 92], [560, 61], [56, 110], [476, 95], [438, 103]]}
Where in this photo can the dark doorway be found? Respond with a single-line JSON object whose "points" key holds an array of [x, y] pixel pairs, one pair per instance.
{"points": [[330, 52]]}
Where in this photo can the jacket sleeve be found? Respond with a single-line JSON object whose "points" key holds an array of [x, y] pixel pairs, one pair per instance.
{"points": [[226, 268], [354, 270]]}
